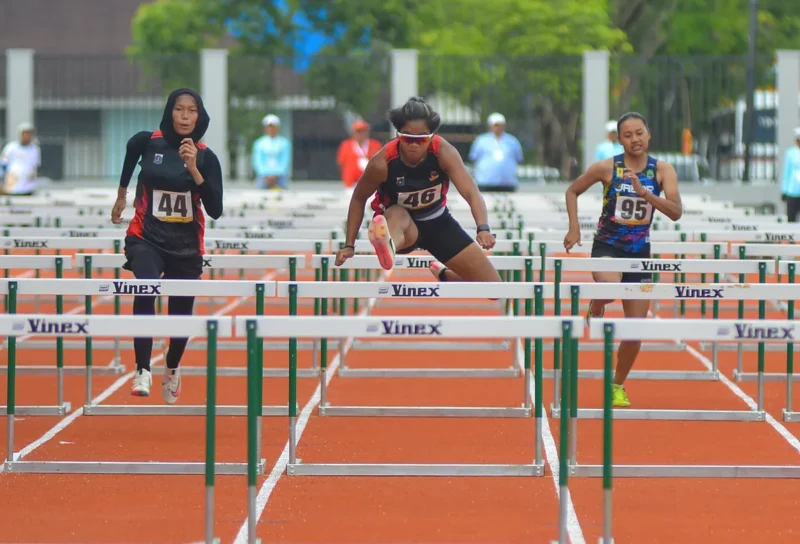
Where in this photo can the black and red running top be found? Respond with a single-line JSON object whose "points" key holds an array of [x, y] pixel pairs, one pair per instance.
{"points": [[421, 189], [168, 201]]}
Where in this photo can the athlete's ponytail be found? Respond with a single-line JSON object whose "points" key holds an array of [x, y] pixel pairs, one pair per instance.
{"points": [[415, 109]]}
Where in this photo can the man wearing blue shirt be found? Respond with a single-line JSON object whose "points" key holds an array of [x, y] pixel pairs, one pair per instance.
{"points": [[496, 155], [272, 156], [611, 147], [790, 188]]}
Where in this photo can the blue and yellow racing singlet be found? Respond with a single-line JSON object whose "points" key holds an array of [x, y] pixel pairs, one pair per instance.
{"points": [[626, 218]]}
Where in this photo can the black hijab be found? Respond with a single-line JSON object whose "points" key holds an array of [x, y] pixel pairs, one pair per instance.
{"points": [[167, 127]]}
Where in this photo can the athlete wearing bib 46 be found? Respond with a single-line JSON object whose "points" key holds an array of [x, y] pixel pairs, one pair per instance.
{"points": [[633, 184], [165, 236], [410, 178]]}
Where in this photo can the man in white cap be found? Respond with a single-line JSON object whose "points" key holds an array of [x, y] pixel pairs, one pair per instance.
{"points": [[272, 156], [19, 162], [496, 155], [790, 188], [611, 147]]}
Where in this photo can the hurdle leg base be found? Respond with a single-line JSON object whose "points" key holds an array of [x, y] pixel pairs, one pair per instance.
{"points": [[38, 410], [666, 415], [346, 372], [677, 375], [791, 417], [424, 411], [768, 376], [127, 467], [688, 471], [167, 410], [447, 470]]}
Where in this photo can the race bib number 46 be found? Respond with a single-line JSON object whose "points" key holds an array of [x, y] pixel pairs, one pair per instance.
{"points": [[420, 199], [632, 210], [172, 207]]}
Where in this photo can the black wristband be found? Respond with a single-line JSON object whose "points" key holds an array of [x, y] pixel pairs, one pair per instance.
{"points": [[351, 247], [483, 228]]}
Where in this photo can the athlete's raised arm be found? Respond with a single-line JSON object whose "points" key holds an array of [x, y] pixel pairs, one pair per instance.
{"points": [[599, 172], [374, 174], [451, 162]]}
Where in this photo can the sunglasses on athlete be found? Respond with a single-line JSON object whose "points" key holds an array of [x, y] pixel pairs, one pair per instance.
{"points": [[414, 138]]}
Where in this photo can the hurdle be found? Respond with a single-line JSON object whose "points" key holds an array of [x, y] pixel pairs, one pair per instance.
{"points": [[609, 330], [717, 291], [526, 291], [403, 327], [211, 328], [89, 262]]}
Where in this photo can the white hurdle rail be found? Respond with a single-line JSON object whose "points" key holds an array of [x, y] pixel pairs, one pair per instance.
{"points": [[408, 327], [712, 291], [110, 326], [688, 330]]}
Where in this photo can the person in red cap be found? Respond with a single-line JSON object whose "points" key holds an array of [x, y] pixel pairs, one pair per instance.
{"points": [[355, 152]]}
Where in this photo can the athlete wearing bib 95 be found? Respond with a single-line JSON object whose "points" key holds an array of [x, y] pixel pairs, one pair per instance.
{"points": [[410, 178], [165, 236], [633, 185]]}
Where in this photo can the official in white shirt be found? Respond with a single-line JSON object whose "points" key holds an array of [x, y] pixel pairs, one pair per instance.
{"points": [[19, 163]]}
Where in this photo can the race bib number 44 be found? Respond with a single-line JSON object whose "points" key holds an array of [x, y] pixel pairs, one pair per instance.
{"points": [[172, 207], [420, 199], [632, 210]]}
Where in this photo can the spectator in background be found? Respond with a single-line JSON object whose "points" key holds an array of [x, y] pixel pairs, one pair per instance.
{"points": [[496, 155], [790, 188], [611, 147], [355, 152], [272, 155], [19, 163]]}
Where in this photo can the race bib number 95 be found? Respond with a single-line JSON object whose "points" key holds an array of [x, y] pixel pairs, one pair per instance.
{"points": [[172, 207], [420, 199], [632, 210]]}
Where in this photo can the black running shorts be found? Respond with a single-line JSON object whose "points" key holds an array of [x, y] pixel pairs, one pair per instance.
{"points": [[442, 237], [148, 263], [601, 249]]}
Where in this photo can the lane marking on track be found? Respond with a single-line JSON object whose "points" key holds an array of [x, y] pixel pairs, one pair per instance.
{"points": [[302, 420]]}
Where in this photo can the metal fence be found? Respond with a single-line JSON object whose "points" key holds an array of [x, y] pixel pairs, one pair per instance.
{"points": [[87, 107], [704, 97]]}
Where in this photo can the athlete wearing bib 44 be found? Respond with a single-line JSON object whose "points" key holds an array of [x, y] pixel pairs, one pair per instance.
{"points": [[165, 236], [410, 178], [633, 185]]}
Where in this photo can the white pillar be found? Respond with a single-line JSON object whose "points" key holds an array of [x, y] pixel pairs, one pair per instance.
{"points": [[19, 90], [595, 102], [788, 114], [214, 90], [405, 77]]}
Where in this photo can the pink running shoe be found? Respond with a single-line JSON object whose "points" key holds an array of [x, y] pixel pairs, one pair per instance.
{"points": [[382, 242]]}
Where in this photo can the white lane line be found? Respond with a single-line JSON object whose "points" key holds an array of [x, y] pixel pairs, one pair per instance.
{"points": [[574, 529], [280, 466], [67, 421]]}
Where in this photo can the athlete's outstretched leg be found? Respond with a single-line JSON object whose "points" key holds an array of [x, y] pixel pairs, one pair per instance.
{"points": [[171, 381], [470, 264], [391, 232], [145, 264], [627, 352]]}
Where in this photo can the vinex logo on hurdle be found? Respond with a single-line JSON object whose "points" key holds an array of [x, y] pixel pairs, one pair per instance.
{"points": [[650, 266], [42, 326], [224, 244], [415, 262], [683, 291], [400, 327], [26, 244], [403, 290], [125, 288], [747, 331]]}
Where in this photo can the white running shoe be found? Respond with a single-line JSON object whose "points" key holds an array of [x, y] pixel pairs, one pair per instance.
{"points": [[171, 385], [141, 383]]}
